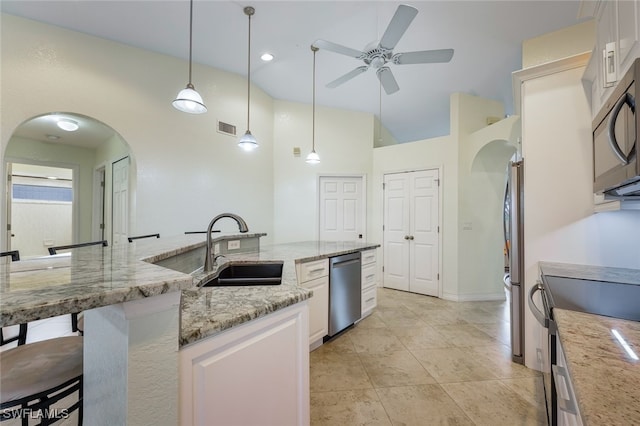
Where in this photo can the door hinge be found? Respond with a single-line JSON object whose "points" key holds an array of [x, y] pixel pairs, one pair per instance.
{"points": [[102, 184], [383, 185], [437, 181], [102, 226], [8, 227], [438, 229], [383, 269], [383, 227], [438, 275]]}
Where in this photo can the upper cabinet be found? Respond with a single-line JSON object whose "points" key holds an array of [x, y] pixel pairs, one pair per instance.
{"points": [[617, 45]]}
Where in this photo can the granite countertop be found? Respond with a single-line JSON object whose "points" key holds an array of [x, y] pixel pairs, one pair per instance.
{"points": [[605, 378], [207, 311], [92, 277]]}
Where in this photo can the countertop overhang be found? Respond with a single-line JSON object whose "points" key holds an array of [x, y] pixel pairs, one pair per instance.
{"points": [[93, 277]]}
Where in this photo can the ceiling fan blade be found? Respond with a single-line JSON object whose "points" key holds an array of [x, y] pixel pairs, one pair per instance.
{"points": [[338, 48], [398, 25], [348, 76], [387, 80], [423, 57]]}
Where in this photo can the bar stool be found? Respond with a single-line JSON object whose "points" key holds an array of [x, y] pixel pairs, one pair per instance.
{"points": [[37, 375]]}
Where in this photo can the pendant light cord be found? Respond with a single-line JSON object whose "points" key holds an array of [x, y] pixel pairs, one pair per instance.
{"points": [[190, 40], [249, 13], [313, 120]]}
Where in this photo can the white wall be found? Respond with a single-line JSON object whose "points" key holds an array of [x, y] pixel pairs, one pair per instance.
{"points": [[344, 142], [432, 153], [559, 44], [186, 171]]}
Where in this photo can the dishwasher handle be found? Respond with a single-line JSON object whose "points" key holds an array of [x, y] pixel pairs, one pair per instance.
{"points": [[342, 263]]}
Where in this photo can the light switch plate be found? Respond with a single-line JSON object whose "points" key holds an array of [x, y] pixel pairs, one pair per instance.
{"points": [[233, 245]]}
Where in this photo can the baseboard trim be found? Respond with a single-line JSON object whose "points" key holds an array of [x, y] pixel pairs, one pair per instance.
{"points": [[474, 297]]}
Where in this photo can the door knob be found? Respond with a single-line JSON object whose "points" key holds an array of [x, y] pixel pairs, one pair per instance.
{"points": [[406, 237], [411, 237]]}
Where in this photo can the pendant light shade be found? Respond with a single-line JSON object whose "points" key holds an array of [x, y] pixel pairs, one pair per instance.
{"points": [[313, 157], [188, 100], [247, 141]]}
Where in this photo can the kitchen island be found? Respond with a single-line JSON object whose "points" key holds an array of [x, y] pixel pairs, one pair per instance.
{"points": [[137, 314]]}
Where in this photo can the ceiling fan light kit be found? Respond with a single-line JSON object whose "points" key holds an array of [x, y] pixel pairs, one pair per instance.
{"points": [[188, 100], [378, 56], [247, 141]]}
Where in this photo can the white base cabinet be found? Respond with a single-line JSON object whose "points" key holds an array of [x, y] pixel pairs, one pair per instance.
{"points": [[369, 281], [314, 276], [253, 374]]}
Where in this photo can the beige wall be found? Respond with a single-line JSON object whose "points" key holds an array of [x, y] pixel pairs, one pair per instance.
{"points": [[344, 141], [186, 171], [559, 44]]}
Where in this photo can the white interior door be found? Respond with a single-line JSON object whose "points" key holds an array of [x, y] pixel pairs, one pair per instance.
{"points": [[396, 231], [423, 239], [411, 232], [342, 208], [120, 194]]}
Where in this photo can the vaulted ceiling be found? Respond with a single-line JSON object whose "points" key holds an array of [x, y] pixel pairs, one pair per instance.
{"points": [[486, 36]]}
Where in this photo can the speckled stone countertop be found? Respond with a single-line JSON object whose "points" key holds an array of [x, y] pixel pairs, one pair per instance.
{"points": [[91, 277], [605, 378], [207, 311], [94, 276]]}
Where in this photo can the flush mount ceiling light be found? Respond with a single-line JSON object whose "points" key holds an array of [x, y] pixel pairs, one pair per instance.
{"points": [[267, 57], [313, 157], [188, 100], [248, 141], [68, 125]]}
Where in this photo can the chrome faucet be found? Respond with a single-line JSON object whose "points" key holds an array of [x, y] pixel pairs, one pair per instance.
{"points": [[208, 257]]}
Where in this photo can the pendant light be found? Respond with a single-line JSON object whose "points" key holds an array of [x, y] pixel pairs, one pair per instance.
{"points": [[248, 141], [313, 157], [188, 100]]}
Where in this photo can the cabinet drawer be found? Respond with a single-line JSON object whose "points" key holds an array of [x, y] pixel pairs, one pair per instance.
{"points": [[368, 256], [369, 299], [315, 269], [369, 273]]}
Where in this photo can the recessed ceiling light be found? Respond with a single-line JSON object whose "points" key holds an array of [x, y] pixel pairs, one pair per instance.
{"points": [[267, 57], [68, 125], [53, 137]]}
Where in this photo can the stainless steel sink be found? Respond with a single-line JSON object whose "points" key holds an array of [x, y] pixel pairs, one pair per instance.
{"points": [[246, 274]]}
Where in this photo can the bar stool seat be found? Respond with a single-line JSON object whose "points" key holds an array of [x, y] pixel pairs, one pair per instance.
{"points": [[34, 376]]}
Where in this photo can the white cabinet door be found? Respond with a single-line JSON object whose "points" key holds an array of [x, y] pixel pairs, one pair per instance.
{"points": [[318, 309], [627, 16], [411, 240], [255, 374]]}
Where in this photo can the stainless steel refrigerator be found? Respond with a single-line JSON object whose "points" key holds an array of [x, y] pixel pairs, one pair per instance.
{"points": [[514, 245]]}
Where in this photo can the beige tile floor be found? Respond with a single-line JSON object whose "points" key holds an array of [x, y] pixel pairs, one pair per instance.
{"points": [[419, 360]]}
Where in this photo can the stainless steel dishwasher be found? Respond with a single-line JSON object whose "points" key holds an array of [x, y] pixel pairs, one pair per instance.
{"points": [[345, 291]]}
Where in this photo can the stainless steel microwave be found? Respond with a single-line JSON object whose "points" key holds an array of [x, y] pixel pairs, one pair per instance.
{"points": [[616, 164]]}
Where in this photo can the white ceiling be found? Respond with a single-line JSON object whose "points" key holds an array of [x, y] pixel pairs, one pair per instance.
{"points": [[486, 36]]}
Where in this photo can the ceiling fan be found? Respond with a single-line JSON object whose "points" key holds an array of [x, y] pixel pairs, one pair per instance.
{"points": [[380, 54]]}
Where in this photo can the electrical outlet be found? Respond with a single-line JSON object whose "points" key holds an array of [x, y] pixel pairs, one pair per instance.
{"points": [[233, 245]]}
